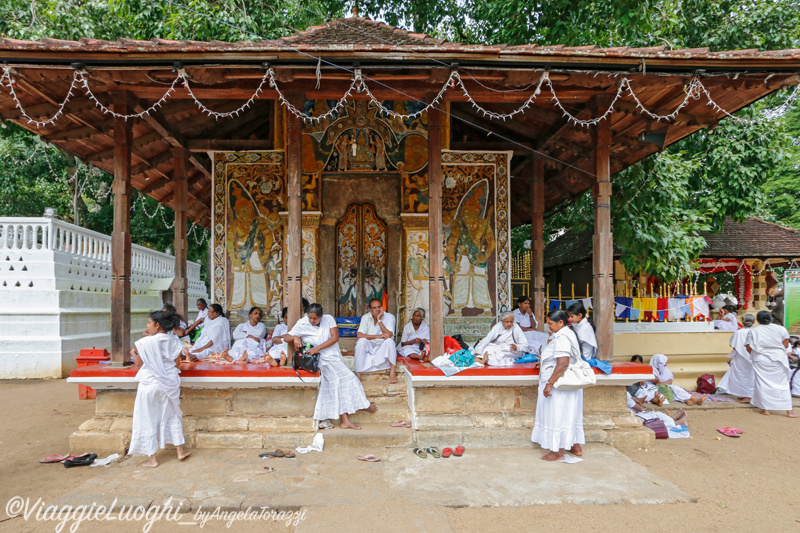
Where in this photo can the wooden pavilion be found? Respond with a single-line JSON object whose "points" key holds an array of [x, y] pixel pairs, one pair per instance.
{"points": [[331, 173]]}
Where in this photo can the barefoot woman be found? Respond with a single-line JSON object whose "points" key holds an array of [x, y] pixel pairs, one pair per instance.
{"points": [[340, 392], [768, 344], [559, 413], [156, 411]]}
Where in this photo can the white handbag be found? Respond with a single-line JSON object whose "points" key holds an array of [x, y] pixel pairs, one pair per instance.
{"points": [[578, 375]]}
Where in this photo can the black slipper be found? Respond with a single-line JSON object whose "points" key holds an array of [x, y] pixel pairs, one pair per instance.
{"points": [[86, 460]]}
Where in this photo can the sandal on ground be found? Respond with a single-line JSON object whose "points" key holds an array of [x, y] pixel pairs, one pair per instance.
{"points": [[401, 424], [447, 452], [288, 455], [86, 460], [325, 424], [434, 452], [370, 458], [420, 452], [276, 453], [728, 432], [459, 451], [55, 459]]}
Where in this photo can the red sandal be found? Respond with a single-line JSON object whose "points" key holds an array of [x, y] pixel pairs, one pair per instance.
{"points": [[447, 452], [459, 451]]}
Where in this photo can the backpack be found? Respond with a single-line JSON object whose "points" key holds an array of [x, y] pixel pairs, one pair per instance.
{"points": [[706, 384]]}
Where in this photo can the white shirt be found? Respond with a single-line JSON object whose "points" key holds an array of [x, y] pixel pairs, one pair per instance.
{"points": [[245, 329], [563, 344], [524, 321], [409, 333], [368, 326], [201, 314], [766, 341]]}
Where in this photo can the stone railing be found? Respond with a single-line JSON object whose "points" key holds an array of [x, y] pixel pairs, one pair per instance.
{"points": [[51, 254]]}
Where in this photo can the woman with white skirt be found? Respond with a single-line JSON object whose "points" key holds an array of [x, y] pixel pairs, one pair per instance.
{"points": [[504, 344], [664, 376], [740, 377], [768, 344], [559, 413], [340, 392], [156, 411], [249, 344]]}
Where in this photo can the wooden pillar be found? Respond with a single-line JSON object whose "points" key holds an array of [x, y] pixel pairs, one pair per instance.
{"points": [[180, 298], [121, 236], [537, 239], [294, 229], [603, 245], [436, 242]]}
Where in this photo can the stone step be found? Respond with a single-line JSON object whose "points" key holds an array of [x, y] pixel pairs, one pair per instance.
{"points": [[386, 413], [371, 435]]}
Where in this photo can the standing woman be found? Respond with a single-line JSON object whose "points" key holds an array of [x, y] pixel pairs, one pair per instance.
{"points": [[340, 392], [156, 411], [583, 330], [768, 344], [559, 413], [739, 379]]}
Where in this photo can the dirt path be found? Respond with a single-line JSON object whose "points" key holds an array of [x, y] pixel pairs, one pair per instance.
{"points": [[745, 484]]}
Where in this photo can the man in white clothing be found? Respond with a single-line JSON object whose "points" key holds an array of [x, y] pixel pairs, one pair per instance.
{"points": [[375, 348], [215, 337]]}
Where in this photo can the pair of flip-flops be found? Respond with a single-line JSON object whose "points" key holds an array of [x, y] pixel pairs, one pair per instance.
{"points": [[447, 452], [401, 424], [278, 453], [370, 458], [50, 459], [731, 432], [83, 460]]}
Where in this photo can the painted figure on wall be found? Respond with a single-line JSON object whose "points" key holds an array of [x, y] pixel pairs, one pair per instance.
{"points": [[469, 244], [309, 267], [417, 272]]}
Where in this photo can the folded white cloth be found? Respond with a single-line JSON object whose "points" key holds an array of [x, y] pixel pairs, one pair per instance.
{"points": [[107, 461], [570, 459], [316, 445]]}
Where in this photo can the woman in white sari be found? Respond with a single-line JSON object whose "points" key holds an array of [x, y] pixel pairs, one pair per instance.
{"points": [[278, 353], [583, 329], [249, 344], [340, 392], [664, 376], [415, 332], [768, 344], [558, 425], [504, 344], [740, 378], [156, 411], [728, 320]]}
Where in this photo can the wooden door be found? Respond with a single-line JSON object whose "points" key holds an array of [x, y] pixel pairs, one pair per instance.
{"points": [[361, 259]]}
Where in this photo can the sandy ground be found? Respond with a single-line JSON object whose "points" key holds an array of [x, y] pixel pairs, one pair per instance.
{"points": [[744, 484]]}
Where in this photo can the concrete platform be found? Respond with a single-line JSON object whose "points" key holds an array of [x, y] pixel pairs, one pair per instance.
{"points": [[510, 477]]}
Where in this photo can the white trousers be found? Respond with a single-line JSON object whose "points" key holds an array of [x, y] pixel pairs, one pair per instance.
{"points": [[371, 357]]}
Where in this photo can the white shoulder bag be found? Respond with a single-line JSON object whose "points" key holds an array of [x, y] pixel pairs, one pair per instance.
{"points": [[577, 376]]}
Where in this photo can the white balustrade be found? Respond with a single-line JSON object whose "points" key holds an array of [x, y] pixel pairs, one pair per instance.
{"points": [[85, 254]]}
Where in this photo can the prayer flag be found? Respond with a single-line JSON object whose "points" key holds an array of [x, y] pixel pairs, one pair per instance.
{"points": [[587, 303]]}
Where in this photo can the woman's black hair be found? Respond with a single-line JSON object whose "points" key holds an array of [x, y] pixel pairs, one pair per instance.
{"points": [[796, 344], [522, 300], [557, 315], [315, 309], [202, 301], [305, 305], [637, 359], [250, 312], [217, 309], [577, 308], [284, 312], [169, 308], [731, 308], [764, 317], [167, 321]]}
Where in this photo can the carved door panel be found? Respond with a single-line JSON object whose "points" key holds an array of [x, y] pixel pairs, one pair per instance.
{"points": [[361, 259]]}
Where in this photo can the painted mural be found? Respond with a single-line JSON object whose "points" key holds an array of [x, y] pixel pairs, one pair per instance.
{"points": [[476, 233], [361, 262], [249, 194], [309, 264], [417, 271]]}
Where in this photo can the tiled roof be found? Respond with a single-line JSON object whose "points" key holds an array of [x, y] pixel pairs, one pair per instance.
{"points": [[358, 32], [754, 238]]}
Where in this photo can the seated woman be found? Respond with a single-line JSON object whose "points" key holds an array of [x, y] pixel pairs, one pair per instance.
{"points": [[340, 392], [728, 320], [215, 337], [278, 354], [504, 344], [583, 329], [248, 340], [180, 329], [415, 335], [524, 317], [664, 376], [197, 326]]}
